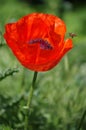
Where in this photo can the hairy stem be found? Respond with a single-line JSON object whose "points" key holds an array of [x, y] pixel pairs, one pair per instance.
{"points": [[29, 101]]}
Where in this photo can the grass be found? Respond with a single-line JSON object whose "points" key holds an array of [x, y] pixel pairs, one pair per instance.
{"points": [[60, 96]]}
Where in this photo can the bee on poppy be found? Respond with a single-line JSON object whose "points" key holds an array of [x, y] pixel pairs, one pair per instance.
{"points": [[72, 35]]}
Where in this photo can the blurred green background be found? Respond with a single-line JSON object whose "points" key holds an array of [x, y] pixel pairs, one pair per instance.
{"points": [[60, 96]]}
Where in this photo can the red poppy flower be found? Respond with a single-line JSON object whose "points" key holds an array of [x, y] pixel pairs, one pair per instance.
{"points": [[37, 40]]}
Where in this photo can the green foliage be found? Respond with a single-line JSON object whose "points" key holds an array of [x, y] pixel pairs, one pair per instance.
{"points": [[7, 72], [3, 127], [60, 96]]}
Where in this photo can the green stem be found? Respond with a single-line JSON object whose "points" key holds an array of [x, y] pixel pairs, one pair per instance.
{"points": [[66, 64], [29, 101], [81, 121]]}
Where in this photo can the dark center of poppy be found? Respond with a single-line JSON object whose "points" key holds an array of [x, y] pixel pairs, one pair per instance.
{"points": [[44, 44]]}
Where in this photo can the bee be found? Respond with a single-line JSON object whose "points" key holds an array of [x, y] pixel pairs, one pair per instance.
{"points": [[44, 44], [72, 35]]}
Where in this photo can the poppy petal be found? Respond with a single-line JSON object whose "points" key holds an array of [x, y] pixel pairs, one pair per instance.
{"points": [[37, 40]]}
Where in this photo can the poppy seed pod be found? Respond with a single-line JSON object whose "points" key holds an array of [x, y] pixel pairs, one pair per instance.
{"points": [[37, 40]]}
